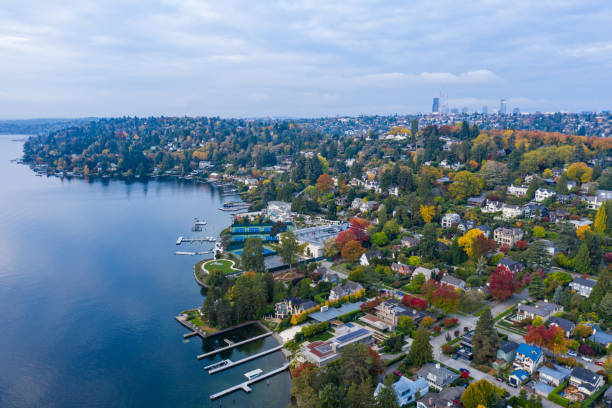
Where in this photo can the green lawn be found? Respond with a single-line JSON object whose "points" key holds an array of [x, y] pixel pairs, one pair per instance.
{"points": [[223, 265]]}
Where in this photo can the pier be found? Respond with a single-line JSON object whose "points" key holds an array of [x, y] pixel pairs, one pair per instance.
{"points": [[190, 334], [230, 364], [180, 240], [240, 343], [184, 253], [245, 385]]}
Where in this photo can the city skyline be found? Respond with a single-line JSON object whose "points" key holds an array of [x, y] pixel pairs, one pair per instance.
{"points": [[301, 59]]}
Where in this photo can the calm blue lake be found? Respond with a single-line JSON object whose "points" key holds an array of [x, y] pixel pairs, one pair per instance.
{"points": [[89, 287]]}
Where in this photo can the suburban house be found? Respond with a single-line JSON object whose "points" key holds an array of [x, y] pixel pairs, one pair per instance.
{"points": [[291, 306], [452, 281], [508, 236], [528, 357], [600, 336], [587, 382], [554, 376], [542, 309], [365, 259], [534, 210], [549, 246], [346, 289], [517, 191], [518, 376], [505, 354], [492, 206], [607, 397], [542, 194], [449, 219], [512, 265], [401, 268], [391, 310], [566, 325], [466, 226], [447, 398], [322, 352], [424, 271], [582, 286], [410, 242], [511, 211], [406, 391], [437, 377], [476, 201]]}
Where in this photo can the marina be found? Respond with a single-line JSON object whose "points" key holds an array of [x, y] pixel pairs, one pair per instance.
{"points": [[240, 343], [229, 364], [181, 240], [245, 385]]}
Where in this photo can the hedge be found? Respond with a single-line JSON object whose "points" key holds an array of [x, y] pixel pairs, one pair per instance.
{"points": [[395, 360], [591, 400], [556, 398], [347, 317]]}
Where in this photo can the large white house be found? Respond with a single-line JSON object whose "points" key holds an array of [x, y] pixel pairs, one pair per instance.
{"points": [[511, 211], [449, 219], [542, 194], [508, 236], [517, 191]]}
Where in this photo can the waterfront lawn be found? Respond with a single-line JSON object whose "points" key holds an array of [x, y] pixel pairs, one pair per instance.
{"points": [[224, 265]]}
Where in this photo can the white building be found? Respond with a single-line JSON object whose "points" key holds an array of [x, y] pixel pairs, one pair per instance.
{"points": [[279, 211], [582, 286], [508, 236], [517, 191], [322, 352], [315, 237], [542, 194], [511, 211], [492, 207], [449, 219]]}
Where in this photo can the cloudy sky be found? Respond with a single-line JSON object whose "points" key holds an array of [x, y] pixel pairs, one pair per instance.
{"points": [[245, 58]]}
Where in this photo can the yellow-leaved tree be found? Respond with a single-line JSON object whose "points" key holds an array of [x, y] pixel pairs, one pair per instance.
{"points": [[580, 231], [467, 241], [428, 212]]}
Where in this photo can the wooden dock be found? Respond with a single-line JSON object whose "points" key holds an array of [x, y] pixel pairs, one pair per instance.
{"points": [[240, 343], [212, 370], [245, 385]]}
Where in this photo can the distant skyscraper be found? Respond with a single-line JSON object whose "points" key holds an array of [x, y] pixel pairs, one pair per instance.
{"points": [[516, 111], [485, 109], [436, 105], [503, 107], [465, 110], [454, 110]]}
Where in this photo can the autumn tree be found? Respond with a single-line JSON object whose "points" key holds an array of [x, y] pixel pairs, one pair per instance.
{"points": [[579, 172], [481, 245], [480, 393], [582, 230], [325, 183], [345, 236], [352, 251], [467, 241], [601, 220], [502, 283], [465, 184], [359, 227], [427, 212]]}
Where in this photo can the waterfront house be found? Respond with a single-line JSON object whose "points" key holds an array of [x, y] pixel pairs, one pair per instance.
{"points": [[291, 306], [321, 353], [346, 289], [582, 286], [437, 377], [447, 398], [406, 390], [542, 309], [528, 357], [586, 381], [566, 325]]}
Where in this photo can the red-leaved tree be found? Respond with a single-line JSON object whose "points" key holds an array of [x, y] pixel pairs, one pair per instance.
{"points": [[358, 226], [344, 237], [502, 283]]}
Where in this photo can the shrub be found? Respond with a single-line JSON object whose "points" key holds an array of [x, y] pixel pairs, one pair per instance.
{"points": [[437, 329], [450, 322], [448, 349]]}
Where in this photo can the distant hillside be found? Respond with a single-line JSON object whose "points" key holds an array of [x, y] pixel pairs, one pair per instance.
{"points": [[38, 126]]}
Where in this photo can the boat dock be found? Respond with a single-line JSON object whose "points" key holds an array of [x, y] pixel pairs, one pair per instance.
{"points": [[217, 364], [245, 385], [231, 364], [180, 240], [240, 343], [184, 253]]}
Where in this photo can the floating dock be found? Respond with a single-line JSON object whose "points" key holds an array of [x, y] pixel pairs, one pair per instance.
{"points": [[217, 364], [184, 253], [242, 361], [180, 240], [240, 343], [245, 385]]}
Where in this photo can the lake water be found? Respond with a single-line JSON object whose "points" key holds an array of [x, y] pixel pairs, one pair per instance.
{"points": [[89, 287]]}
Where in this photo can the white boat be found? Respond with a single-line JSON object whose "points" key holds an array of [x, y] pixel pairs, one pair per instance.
{"points": [[253, 374]]}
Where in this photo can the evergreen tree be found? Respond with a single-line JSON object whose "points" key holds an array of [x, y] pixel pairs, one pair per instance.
{"points": [[428, 246], [536, 287], [582, 262], [252, 255], [601, 220], [601, 288], [605, 307], [537, 255], [288, 248], [386, 398], [361, 396], [485, 340], [421, 351], [558, 294]]}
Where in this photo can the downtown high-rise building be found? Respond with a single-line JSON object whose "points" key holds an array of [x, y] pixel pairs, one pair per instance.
{"points": [[485, 109], [503, 107], [435, 108]]}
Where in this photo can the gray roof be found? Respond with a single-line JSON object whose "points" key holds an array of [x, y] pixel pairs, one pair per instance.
{"points": [[443, 374], [508, 346], [566, 325], [540, 308], [585, 375], [584, 282]]}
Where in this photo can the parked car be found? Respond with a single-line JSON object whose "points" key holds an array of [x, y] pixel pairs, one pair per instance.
{"points": [[572, 354], [397, 373], [599, 363], [464, 370], [589, 359], [513, 385], [499, 379]]}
